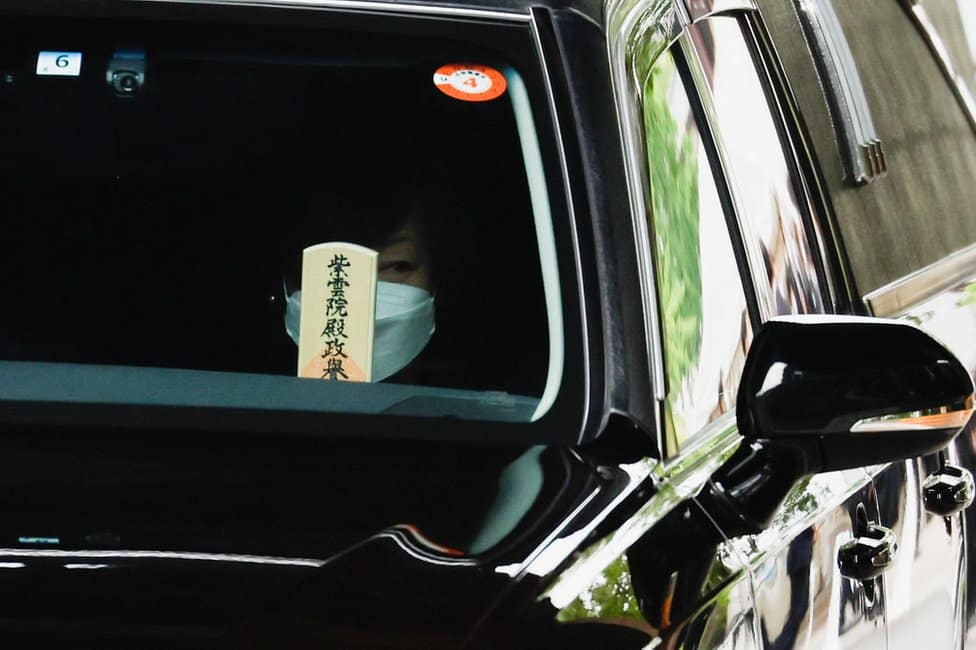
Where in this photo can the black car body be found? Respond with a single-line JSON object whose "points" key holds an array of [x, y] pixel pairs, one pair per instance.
{"points": [[706, 168]]}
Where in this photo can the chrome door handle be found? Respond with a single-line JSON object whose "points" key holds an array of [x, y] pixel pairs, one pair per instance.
{"points": [[866, 556], [948, 491]]}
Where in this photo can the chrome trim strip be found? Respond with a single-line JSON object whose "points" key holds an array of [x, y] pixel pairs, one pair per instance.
{"points": [[699, 9], [633, 27], [571, 210], [943, 417], [934, 42], [556, 553], [716, 437], [861, 150], [364, 5], [896, 297], [161, 555], [520, 568]]}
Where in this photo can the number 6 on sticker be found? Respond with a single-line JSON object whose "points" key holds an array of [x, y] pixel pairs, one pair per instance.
{"points": [[59, 64]]}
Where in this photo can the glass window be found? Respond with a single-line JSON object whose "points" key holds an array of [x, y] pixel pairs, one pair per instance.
{"points": [[160, 189], [763, 184], [705, 323]]}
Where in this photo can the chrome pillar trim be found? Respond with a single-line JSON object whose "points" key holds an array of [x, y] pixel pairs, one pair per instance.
{"points": [[945, 417], [365, 5], [638, 31], [699, 9], [717, 438], [861, 150], [934, 42], [896, 297]]}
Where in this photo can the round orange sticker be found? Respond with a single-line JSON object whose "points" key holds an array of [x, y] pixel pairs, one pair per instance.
{"points": [[470, 82]]}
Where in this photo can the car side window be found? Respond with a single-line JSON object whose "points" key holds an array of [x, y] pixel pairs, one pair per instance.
{"points": [[708, 236], [767, 193], [704, 319]]}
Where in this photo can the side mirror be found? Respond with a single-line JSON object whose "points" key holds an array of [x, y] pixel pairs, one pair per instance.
{"points": [[823, 393], [864, 390]]}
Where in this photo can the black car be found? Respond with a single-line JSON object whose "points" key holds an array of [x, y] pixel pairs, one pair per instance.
{"points": [[487, 324]]}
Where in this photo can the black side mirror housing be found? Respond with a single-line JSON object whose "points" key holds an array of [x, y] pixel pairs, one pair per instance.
{"points": [[824, 393], [867, 390]]}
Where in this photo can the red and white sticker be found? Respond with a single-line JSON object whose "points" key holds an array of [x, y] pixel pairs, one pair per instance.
{"points": [[470, 82]]}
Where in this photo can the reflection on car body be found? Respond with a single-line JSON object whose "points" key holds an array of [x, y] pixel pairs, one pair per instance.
{"points": [[662, 310]]}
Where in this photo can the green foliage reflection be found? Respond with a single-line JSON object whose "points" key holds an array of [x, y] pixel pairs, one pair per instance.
{"points": [[968, 295], [672, 152], [611, 596]]}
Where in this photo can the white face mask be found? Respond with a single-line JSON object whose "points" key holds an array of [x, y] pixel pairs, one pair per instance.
{"points": [[404, 324]]}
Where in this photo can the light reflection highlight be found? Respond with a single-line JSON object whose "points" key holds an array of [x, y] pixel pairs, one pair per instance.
{"points": [[88, 566], [160, 555]]}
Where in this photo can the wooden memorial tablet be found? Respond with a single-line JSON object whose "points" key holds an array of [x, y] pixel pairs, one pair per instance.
{"points": [[338, 307]]}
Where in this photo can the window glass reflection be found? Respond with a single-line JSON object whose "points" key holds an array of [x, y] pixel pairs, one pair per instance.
{"points": [[769, 212], [967, 11], [954, 24], [705, 326]]}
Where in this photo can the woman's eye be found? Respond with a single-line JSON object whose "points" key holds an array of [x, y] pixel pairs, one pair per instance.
{"points": [[399, 267]]}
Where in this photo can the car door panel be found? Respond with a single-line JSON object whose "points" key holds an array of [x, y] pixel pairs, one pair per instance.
{"points": [[802, 600], [930, 570], [800, 597], [925, 580]]}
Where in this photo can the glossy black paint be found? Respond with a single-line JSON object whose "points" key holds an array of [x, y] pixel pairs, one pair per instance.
{"points": [[748, 489], [805, 384], [671, 564], [577, 53], [255, 541], [814, 379]]}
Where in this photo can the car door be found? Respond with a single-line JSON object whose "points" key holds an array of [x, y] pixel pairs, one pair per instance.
{"points": [[902, 224], [934, 293], [167, 479], [930, 289], [759, 257], [801, 596]]}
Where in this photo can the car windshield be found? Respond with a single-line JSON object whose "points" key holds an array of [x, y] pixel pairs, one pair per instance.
{"points": [[168, 195]]}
